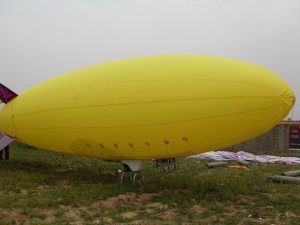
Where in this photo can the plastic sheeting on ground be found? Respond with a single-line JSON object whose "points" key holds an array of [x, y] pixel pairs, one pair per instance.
{"points": [[226, 156]]}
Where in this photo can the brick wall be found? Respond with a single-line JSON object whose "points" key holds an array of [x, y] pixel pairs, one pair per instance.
{"points": [[275, 140]]}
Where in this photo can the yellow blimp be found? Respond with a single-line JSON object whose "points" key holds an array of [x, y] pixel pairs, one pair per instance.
{"points": [[148, 108]]}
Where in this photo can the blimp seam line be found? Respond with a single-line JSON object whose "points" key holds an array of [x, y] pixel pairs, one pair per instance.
{"points": [[154, 124], [13, 119], [145, 102], [159, 80], [110, 83]]}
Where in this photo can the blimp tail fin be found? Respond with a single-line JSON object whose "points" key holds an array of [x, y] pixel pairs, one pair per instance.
{"points": [[6, 94], [5, 141]]}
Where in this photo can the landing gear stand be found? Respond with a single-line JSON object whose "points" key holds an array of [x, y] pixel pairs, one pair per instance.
{"points": [[133, 171], [165, 164]]}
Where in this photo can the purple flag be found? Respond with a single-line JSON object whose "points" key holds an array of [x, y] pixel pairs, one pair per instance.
{"points": [[6, 94]]}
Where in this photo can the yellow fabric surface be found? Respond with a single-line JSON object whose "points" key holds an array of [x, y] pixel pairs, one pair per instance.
{"points": [[149, 107]]}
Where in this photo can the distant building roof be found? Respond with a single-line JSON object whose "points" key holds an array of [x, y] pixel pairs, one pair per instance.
{"points": [[290, 122]]}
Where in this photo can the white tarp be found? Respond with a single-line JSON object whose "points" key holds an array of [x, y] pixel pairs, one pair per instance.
{"points": [[5, 140], [226, 156]]}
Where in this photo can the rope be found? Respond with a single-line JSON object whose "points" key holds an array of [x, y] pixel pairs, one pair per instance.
{"points": [[293, 110]]}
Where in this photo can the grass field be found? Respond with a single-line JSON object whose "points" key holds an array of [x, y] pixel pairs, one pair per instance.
{"points": [[46, 188]]}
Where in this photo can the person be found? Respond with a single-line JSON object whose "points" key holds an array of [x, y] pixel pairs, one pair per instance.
{"points": [[6, 153]]}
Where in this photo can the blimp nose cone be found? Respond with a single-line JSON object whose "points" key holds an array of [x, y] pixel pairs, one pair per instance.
{"points": [[288, 97], [282, 97], [289, 93], [291, 99]]}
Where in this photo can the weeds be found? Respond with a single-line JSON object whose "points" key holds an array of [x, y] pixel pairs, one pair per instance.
{"points": [[47, 188]]}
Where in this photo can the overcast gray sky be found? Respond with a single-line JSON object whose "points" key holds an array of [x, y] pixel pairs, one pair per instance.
{"points": [[40, 39]]}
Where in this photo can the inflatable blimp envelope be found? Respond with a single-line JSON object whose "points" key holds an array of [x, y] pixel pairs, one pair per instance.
{"points": [[147, 108]]}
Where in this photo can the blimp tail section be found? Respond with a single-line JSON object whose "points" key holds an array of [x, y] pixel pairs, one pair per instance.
{"points": [[6, 94]]}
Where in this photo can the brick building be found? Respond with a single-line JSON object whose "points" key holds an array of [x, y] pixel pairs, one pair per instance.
{"points": [[282, 138]]}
